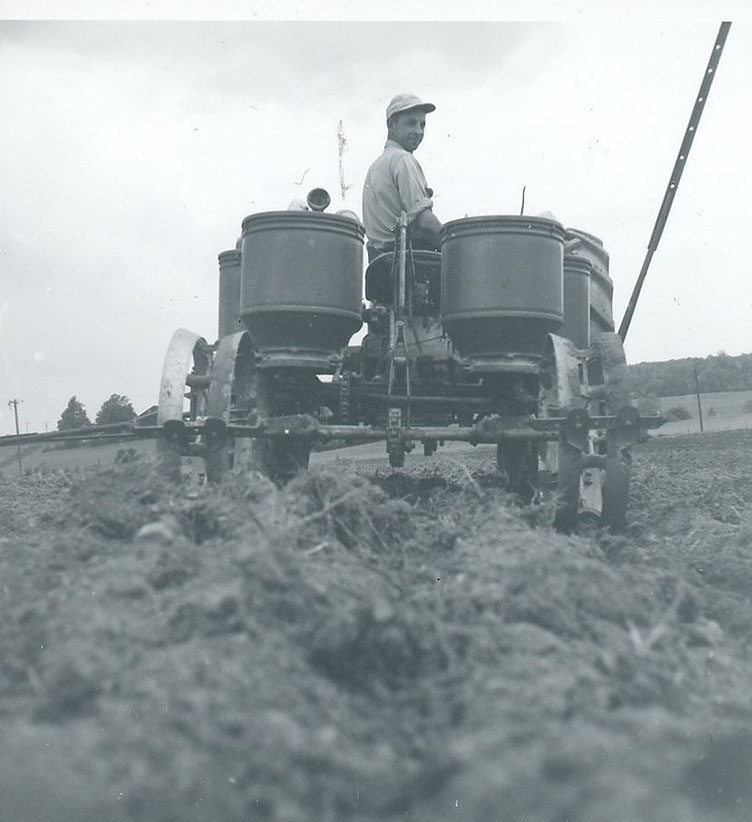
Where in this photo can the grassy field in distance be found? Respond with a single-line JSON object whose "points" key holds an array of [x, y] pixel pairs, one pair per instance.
{"points": [[41, 456], [723, 411]]}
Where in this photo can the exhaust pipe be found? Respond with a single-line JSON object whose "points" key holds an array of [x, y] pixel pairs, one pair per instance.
{"points": [[318, 199]]}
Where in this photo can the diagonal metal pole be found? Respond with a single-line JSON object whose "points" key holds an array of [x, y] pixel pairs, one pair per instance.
{"points": [[679, 165]]}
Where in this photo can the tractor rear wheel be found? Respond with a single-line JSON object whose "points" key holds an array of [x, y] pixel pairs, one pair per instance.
{"points": [[229, 397], [182, 397]]}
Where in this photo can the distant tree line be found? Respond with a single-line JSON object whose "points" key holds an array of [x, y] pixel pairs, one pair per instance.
{"points": [[673, 378], [115, 409]]}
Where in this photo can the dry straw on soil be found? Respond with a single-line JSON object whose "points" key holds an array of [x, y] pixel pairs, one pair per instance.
{"points": [[366, 645]]}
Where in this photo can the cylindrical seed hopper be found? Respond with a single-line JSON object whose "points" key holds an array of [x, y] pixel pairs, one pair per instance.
{"points": [[576, 301], [502, 288], [590, 248], [229, 293], [301, 286]]}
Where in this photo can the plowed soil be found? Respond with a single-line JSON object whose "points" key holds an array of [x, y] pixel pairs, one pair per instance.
{"points": [[373, 646]]}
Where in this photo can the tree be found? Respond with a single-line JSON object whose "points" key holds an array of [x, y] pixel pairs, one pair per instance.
{"points": [[74, 416], [116, 409]]}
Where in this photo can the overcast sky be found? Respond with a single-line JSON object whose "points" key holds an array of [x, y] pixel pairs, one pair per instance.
{"points": [[131, 151]]}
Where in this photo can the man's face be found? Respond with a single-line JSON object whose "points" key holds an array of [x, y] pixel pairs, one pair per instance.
{"points": [[407, 128]]}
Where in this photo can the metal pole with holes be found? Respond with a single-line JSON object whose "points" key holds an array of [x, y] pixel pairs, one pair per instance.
{"points": [[673, 183]]}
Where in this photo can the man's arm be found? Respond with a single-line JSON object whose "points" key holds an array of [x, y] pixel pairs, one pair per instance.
{"points": [[416, 199], [426, 227]]}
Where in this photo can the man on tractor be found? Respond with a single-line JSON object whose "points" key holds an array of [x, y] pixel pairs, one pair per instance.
{"points": [[395, 182]]}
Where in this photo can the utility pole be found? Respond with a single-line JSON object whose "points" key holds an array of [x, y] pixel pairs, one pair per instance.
{"points": [[14, 403], [697, 391]]}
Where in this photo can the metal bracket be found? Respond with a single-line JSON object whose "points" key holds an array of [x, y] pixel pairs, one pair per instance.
{"points": [[172, 444], [214, 433], [295, 425], [216, 456], [429, 447], [627, 426], [487, 425], [175, 434], [395, 448], [345, 384], [575, 429]]}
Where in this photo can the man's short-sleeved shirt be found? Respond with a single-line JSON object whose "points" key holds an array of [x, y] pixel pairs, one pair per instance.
{"points": [[394, 183]]}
